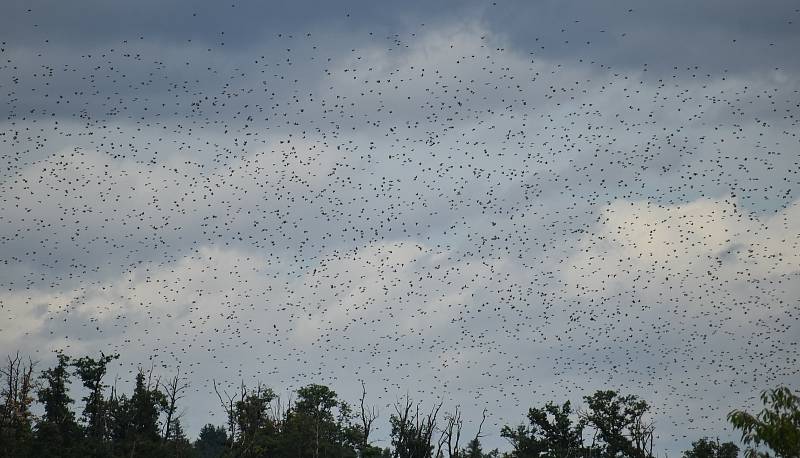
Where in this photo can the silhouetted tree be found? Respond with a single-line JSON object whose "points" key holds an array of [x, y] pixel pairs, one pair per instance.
{"points": [[256, 429], [320, 425], [412, 430], [91, 372], [144, 407], [178, 444], [367, 416], [619, 423], [57, 432], [473, 449], [211, 442], [551, 433], [16, 420], [707, 448], [173, 392], [147, 423]]}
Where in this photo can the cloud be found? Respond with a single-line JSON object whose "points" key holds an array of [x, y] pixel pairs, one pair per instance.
{"points": [[443, 208], [706, 240]]}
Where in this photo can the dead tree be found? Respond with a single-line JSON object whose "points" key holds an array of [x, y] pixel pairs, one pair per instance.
{"points": [[451, 433], [18, 386], [174, 392], [229, 406], [641, 435], [480, 426], [412, 430], [368, 416]]}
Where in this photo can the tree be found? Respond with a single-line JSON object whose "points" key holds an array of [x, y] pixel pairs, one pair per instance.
{"points": [[145, 405], [229, 406], [451, 433], [707, 448], [147, 422], [255, 426], [118, 421], [367, 415], [211, 441], [173, 392], [552, 433], [16, 420], [777, 426], [178, 445], [619, 422], [320, 425], [57, 431], [91, 372], [412, 431], [473, 449], [133, 423]]}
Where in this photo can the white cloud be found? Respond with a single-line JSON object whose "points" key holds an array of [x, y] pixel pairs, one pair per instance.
{"points": [[700, 242]]}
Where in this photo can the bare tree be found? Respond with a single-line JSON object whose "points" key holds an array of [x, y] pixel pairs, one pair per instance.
{"points": [[619, 422], [412, 430], [229, 406], [480, 426], [17, 391], [277, 411], [368, 416], [174, 392], [440, 445], [641, 434], [451, 433]]}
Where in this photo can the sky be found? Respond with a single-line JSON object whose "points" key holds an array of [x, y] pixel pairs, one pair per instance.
{"points": [[492, 204]]}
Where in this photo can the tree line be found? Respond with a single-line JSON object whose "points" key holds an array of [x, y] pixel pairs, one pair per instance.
{"points": [[318, 424]]}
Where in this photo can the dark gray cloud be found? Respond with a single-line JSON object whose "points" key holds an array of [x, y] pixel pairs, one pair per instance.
{"points": [[714, 35], [236, 23]]}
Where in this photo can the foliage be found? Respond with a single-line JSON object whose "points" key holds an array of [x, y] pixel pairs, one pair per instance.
{"points": [[619, 423], [16, 419], [475, 450], [255, 427], [552, 433], [91, 372], [412, 430], [321, 424], [147, 422], [57, 429], [706, 448], [211, 441], [777, 426]]}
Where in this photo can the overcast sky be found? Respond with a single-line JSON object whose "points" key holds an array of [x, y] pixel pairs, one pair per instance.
{"points": [[491, 203]]}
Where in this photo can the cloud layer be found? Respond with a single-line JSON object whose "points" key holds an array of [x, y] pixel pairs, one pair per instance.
{"points": [[459, 205]]}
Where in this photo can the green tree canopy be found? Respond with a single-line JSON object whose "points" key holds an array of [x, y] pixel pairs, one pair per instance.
{"points": [[776, 427], [619, 422], [551, 433]]}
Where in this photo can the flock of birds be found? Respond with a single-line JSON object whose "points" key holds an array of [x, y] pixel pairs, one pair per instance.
{"points": [[428, 211]]}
